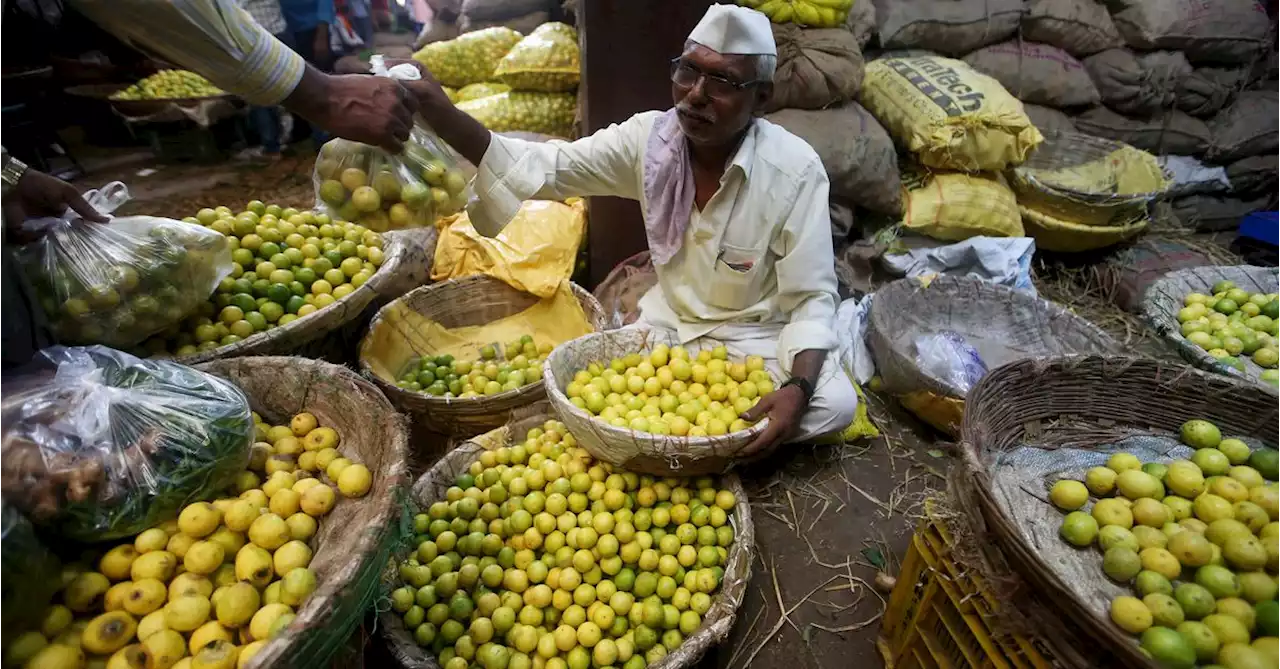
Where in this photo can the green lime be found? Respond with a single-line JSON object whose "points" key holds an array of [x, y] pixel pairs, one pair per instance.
{"points": [[297, 288], [268, 249], [260, 287], [294, 304], [279, 293], [281, 261], [1267, 618], [229, 339], [334, 257], [1169, 648], [286, 319], [426, 377], [295, 256], [1265, 460], [257, 320], [242, 329], [246, 303], [322, 265], [305, 274], [242, 256], [249, 276], [347, 249]]}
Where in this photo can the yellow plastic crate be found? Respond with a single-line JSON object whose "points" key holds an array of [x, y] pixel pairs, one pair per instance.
{"points": [[940, 614]]}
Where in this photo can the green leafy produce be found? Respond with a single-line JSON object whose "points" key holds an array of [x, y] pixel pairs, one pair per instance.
{"points": [[100, 445], [28, 574]]}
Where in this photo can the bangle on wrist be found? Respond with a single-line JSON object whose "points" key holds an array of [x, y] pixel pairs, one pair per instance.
{"points": [[11, 173]]}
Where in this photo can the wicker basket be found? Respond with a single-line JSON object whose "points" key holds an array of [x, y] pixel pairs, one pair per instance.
{"points": [[1083, 402], [1053, 234], [473, 300], [331, 333], [660, 455], [355, 540], [1050, 181], [1002, 324], [718, 620], [1164, 298]]}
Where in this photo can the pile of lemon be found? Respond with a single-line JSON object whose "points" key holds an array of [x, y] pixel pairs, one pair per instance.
{"points": [[669, 391], [445, 376], [287, 264], [542, 557], [1196, 539], [169, 84], [209, 589], [1233, 322]]}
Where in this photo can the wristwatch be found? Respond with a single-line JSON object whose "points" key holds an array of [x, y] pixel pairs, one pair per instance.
{"points": [[803, 384], [10, 174]]}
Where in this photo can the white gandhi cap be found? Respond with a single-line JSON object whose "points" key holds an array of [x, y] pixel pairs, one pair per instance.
{"points": [[730, 29]]}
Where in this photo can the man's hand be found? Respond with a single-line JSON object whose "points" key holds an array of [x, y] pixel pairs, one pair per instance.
{"points": [[784, 408], [364, 108], [38, 194], [458, 129]]}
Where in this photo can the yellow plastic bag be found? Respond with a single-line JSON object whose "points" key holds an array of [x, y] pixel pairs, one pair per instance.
{"points": [[552, 321], [469, 59], [481, 90], [534, 253], [545, 113], [953, 206], [948, 114], [860, 428], [546, 60]]}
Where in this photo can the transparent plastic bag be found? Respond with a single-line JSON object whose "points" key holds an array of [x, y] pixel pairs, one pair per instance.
{"points": [[121, 282], [545, 113], [469, 59], [547, 60], [948, 356], [99, 444], [481, 90], [29, 575], [364, 184]]}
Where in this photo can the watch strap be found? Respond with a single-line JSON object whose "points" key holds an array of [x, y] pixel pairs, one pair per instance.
{"points": [[11, 172], [803, 384]]}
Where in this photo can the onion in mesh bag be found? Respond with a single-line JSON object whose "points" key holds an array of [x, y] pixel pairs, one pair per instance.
{"points": [[469, 59], [546, 113], [546, 60], [99, 445]]}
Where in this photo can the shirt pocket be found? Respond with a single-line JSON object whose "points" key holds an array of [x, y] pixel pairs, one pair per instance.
{"points": [[736, 278]]}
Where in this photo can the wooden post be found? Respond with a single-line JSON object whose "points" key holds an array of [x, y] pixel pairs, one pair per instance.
{"points": [[627, 46]]}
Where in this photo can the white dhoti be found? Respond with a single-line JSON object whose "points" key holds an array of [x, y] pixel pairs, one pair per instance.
{"points": [[834, 401]]}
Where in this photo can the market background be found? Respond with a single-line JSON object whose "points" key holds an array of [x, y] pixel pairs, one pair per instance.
{"points": [[828, 518]]}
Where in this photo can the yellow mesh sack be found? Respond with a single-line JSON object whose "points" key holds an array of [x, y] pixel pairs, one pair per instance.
{"points": [[469, 59], [547, 60], [545, 113], [483, 90], [948, 114], [953, 206]]}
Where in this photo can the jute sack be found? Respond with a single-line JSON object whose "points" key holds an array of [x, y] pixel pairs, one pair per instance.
{"points": [[951, 27], [1212, 213], [861, 21], [1048, 120], [1223, 31], [1172, 132], [1036, 73], [1246, 128], [498, 10], [953, 206], [1079, 27], [1144, 84], [856, 151], [524, 24], [815, 67], [950, 115], [1256, 175]]}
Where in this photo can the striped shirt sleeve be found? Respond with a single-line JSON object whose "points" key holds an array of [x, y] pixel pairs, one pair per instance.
{"points": [[215, 38]]}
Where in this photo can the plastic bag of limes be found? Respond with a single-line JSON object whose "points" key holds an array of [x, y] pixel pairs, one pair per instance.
{"points": [[545, 113], [118, 283], [366, 185], [469, 59], [547, 60]]}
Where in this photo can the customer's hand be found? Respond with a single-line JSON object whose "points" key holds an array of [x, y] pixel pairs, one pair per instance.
{"points": [[428, 91], [784, 407], [364, 108], [38, 194]]}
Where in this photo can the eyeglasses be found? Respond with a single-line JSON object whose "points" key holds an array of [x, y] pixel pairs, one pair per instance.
{"points": [[685, 75]]}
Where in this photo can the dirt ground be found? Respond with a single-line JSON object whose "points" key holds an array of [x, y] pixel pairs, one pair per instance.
{"points": [[827, 519]]}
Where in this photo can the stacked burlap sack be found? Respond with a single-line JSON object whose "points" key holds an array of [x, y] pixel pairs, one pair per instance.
{"points": [[1189, 81], [819, 72], [511, 82]]}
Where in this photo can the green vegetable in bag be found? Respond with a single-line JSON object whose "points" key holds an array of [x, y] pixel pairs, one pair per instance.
{"points": [[547, 60], [28, 575], [469, 59], [546, 113]]}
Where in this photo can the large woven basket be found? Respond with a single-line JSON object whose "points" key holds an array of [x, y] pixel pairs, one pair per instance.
{"points": [[331, 333], [660, 455], [1054, 234], [718, 620], [355, 540], [1164, 298], [1085, 403], [1002, 324], [473, 300]]}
